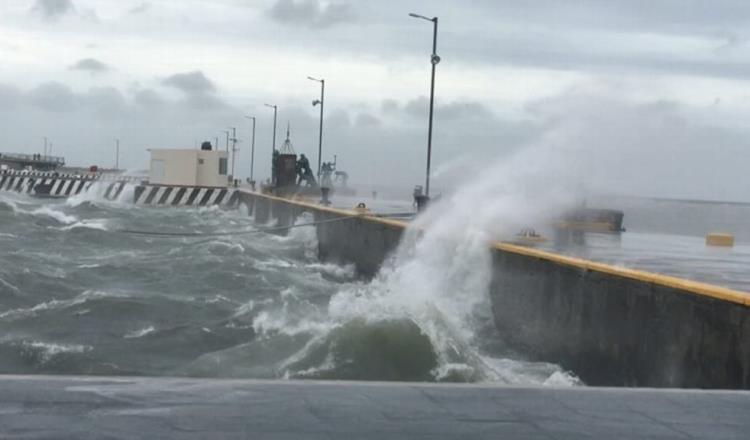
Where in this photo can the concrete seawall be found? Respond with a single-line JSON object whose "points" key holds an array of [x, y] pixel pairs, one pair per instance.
{"points": [[611, 326]]}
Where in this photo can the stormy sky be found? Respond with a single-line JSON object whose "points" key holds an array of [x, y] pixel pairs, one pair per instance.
{"points": [[636, 97]]}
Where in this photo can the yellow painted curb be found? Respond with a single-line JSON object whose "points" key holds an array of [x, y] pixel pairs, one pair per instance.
{"points": [[694, 287]]}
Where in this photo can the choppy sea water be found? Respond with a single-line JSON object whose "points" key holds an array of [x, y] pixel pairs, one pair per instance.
{"points": [[79, 297]]}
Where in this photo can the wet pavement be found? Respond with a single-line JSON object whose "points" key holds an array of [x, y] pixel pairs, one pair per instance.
{"points": [[43, 407]]}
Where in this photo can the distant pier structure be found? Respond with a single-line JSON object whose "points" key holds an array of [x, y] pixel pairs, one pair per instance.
{"points": [[39, 162]]}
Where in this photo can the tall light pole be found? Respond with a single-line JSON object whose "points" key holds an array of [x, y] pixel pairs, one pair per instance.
{"points": [[320, 101], [252, 149], [273, 142], [434, 59], [117, 154], [45, 146], [234, 146]]}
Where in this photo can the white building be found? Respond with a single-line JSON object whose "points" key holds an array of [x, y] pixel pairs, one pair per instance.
{"points": [[188, 167]]}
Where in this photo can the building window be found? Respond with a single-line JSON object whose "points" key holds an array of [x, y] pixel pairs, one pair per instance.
{"points": [[223, 166], [200, 161]]}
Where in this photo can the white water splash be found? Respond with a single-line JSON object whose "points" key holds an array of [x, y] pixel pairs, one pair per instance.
{"points": [[47, 350], [440, 274], [140, 333], [59, 216], [56, 304], [96, 224]]}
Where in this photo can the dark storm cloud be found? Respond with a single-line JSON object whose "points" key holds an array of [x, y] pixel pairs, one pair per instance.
{"points": [[190, 82], [91, 65], [140, 8], [53, 97], [52, 9], [311, 13]]}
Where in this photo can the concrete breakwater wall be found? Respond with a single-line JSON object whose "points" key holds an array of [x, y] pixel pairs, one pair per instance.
{"points": [[57, 185], [611, 326]]}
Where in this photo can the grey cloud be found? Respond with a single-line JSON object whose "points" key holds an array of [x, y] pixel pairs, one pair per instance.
{"points": [[190, 82], [462, 109], [91, 65], [140, 8], [81, 122], [148, 98], [313, 13], [389, 105], [105, 101], [200, 92], [52, 9], [205, 102], [10, 97], [367, 120], [53, 96]]}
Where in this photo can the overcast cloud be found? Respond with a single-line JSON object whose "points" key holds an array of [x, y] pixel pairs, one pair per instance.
{"points": [[91, 65], [643, 97], [52, 9]]}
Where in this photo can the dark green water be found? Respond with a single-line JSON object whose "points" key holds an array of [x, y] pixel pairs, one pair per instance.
{"points": [[79, 297]]}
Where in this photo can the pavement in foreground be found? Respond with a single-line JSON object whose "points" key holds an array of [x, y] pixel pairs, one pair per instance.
{"points": [[43, 407]]}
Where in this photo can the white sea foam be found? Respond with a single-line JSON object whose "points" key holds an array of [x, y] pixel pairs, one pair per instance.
{"points": [[96, 224], [56, 304], [59, 216], [48, 350], [272, 263], [345, 272], [8, 286], [140, 333], [88, 266]]}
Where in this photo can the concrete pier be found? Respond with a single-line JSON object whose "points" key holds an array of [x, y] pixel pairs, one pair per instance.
{"points": [[610, 325], [38, 407]]}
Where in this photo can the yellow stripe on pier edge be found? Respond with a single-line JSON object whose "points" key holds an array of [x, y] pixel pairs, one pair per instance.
{"points": [[694, 287]]}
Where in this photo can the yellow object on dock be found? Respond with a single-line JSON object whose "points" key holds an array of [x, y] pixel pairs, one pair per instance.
{"points": [[720, 239]]}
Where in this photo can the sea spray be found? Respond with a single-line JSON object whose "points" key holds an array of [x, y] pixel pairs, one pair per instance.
{"points": [[436, 282]]}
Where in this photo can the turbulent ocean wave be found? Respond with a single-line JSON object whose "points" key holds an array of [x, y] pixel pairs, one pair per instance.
{"points": [[79, 297]]}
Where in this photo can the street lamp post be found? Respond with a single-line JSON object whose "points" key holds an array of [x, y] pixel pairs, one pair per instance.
{"points": [[252, 150], [117, 154], [434, 59], [273, 146], [320, 101], [234, 146]]}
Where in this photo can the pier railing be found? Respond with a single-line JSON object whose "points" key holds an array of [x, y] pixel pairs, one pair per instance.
{"points": [[33, 158]]}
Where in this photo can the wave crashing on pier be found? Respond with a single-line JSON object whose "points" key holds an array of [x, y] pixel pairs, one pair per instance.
{"points": [[79, 297]]}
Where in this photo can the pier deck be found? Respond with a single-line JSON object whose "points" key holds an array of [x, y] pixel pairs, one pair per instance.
{"points": [[39, 407]]}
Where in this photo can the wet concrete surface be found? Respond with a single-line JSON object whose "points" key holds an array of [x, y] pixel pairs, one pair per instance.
{"points": [[43, 407]]}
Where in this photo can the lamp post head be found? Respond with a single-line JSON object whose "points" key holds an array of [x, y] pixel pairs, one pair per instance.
{"points": [[315, 102], [269, 105], [433, 19], [315, 79]]}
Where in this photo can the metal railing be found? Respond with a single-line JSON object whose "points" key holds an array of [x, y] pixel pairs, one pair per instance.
{"points": [[34, 158]]}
